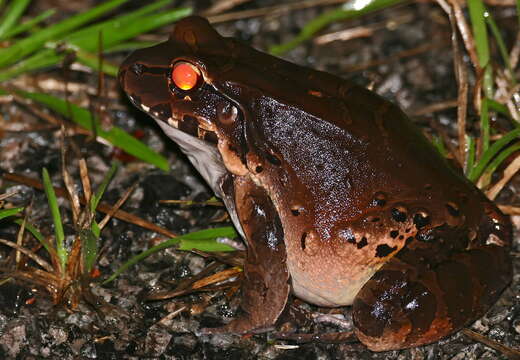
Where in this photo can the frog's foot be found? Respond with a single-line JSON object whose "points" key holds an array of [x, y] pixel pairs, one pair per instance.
{"points": [[265, 286], [418, 298]]}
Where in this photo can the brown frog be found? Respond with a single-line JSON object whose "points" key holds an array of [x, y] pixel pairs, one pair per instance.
{"points": [[340, 199]]}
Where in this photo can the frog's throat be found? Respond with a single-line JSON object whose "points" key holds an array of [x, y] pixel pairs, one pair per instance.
{"points": [[206, 158]]}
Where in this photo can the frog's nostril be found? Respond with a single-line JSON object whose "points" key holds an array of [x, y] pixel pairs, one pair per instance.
{"points": [[296, 210], [453, 209], [137, 69], [273, 159], [379, 198]]}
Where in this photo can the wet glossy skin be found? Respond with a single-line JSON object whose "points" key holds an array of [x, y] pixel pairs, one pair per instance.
{"points": [[338, 196]]}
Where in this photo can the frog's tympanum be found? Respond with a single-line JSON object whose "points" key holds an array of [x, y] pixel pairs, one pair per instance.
{"points": [[340, 199]]}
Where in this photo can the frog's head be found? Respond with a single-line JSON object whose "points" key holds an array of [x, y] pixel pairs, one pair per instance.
{"points": [[208, 87], [182, 84], [174, 81]]}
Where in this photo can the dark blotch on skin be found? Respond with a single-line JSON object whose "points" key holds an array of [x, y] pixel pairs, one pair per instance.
{"points": [[302, 240], [394, 234], [259, 169], [421, 220], [295, 211], [398, 215], [384, 250], [362, 243]]}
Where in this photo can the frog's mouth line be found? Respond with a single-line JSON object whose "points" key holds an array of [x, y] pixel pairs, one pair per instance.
{"points": [[193, 126]]}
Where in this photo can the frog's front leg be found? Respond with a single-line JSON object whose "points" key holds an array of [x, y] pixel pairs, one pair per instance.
{"points": [[428, 291], [265, 286]]}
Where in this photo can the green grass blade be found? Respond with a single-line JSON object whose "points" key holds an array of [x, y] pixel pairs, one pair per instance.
{"points": [[89, 249], [9, 212], [484, 124], [11, 15], [29, 24], [117, 30], [501, 45], [115, 135], [347, 11], [204, 240], [490, 153], [518, 10], [22, 48], [56, 218], [94, 227], [42, 59], [478, 14], [470, 159], [120, 23], [92, 61], [498, 107], [439, 145], [35, 232], [113, 32], [130, 45], [96, 198], [493, 165]]}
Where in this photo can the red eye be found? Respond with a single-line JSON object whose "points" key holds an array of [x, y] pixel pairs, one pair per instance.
{"points": [[185, 76]]}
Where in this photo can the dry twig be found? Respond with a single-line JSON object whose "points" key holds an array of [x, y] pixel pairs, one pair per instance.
{"points": [[510, 353], [509, 172]]}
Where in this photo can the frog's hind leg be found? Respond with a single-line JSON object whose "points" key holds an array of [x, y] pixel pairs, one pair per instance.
{"points": [[433, 287], [265, 286]]}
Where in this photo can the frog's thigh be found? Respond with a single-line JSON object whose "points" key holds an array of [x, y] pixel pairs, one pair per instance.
{"points": [[405, 305], [265, 287]]}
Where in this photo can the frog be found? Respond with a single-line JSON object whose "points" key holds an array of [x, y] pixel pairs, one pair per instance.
{"points": [[340, 199]]}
